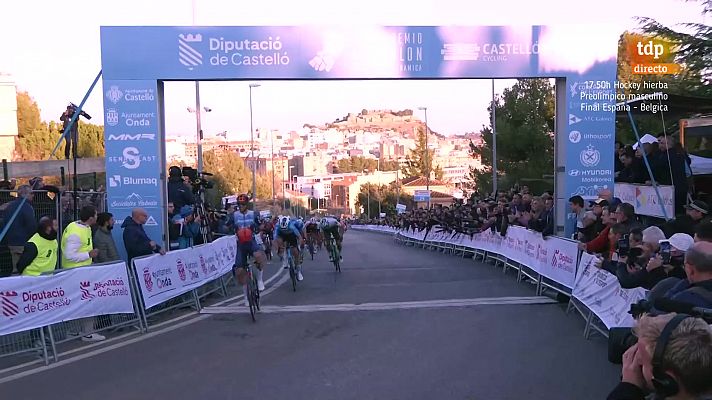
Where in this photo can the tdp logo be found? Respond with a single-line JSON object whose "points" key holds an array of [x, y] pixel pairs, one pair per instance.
{"points": [[650, 49]]}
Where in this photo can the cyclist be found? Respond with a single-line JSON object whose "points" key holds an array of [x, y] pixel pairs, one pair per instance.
{"points": [[299, 224], [330, 227], [286, 231], [312, 230], [246, 224], [267, 230]]}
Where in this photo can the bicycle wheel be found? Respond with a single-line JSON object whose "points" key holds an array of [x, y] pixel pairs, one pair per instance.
{"points": [[292, 273], [311, 250], [337, 258], [251, 288], [256, 293]]}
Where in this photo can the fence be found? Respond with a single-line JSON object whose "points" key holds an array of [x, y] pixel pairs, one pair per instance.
{"points": [[47, 203], [39, 313], [553, 263]]}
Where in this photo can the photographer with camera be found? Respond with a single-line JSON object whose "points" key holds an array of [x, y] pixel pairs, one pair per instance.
{"points": [[647, 270], [672, 359], [179, 193], [72, 137]]}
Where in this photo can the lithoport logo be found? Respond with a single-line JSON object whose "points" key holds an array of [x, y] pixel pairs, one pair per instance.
{"points": [[9, 308], [187, 55], [84, 286]]}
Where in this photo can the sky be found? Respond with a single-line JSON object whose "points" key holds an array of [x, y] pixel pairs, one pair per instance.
{"points": [[55, 54]]}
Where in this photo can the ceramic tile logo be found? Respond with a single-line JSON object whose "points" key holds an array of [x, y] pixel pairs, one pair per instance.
{"points": [[187, 54]]}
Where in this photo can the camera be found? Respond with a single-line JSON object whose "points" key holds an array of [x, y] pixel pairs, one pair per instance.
{"points": [[73, 108], [666, 252], [621, 339], [197, 179], [623, 246]]}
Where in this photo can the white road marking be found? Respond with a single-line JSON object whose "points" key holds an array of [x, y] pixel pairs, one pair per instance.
{"points": [[405, 305]]}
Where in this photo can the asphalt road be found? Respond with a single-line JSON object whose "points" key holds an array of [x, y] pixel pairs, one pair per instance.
{"points": [[387, 327]]}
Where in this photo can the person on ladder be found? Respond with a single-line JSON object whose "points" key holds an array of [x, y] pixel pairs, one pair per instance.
{"points": [[246, 223]]}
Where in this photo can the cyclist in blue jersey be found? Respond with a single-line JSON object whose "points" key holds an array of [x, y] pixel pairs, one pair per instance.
{"points": [[248, 244], [287, 231]]}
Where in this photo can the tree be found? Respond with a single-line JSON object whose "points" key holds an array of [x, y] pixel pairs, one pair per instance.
{"points": [[420, 160], [387, 195], [360, 164], [525, 141], [230, 175], [34, 140], [693, 49]]}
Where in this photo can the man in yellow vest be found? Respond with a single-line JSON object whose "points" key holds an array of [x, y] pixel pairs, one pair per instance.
{"points": [[78, 251], [40, 252], [77, 245]]}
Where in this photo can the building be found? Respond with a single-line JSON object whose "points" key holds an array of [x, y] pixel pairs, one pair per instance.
{"points": [[311, 164], [343, 193], [8, 117], [457, 176], [410, 185]]}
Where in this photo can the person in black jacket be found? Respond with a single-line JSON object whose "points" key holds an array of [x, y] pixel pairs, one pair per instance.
{"points": [[136, 241], [23, 226], [674, 163], [696, 212], [179, 193]]}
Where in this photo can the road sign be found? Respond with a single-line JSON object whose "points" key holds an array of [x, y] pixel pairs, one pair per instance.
{"points": [[421, 195]]}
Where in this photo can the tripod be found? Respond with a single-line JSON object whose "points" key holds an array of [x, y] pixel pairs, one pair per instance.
{"points": [[200, 211]]}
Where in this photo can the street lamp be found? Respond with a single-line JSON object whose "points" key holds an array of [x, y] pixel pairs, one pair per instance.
{"points": [[252, 149], [196, 111], [427, 153]]}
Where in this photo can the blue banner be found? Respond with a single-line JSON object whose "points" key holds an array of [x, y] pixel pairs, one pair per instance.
{"points": [[134, 154]]}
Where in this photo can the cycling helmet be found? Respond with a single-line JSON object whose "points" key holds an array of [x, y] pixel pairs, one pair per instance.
{"points": [[284, 222], [243, 199]]}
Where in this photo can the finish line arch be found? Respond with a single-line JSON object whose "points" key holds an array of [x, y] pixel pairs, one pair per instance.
{"points": [[136, 61]]}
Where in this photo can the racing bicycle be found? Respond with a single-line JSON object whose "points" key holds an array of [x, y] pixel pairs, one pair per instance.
{"points": [[292, 266], [335, 254]]}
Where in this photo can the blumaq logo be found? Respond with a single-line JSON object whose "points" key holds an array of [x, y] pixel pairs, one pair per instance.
{"points": [[147, 279]]}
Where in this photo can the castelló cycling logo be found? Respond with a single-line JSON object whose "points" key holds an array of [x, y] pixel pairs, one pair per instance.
{"points": [[187, 55], [114, 94], [9, 308]]}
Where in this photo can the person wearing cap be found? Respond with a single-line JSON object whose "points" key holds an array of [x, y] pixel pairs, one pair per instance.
{"points": [[188, 226], [648, 146], [696, 212]]}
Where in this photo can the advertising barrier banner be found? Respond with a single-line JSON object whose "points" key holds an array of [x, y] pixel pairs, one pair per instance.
{"points": [[644, 199], [600, 291], [30, 302], [162, 278]]}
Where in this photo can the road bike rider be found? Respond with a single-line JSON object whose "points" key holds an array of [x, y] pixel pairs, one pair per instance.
{"points": [[287, 231], [248, 244], [330, 227], [267, 230], [313, 234]]}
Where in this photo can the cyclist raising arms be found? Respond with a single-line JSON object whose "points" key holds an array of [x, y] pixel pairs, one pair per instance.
{"points": [[246, 225], [286, 231], [330, 227]]}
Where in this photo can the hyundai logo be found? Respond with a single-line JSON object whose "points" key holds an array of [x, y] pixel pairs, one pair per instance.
{"points": [[574, 172]]}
